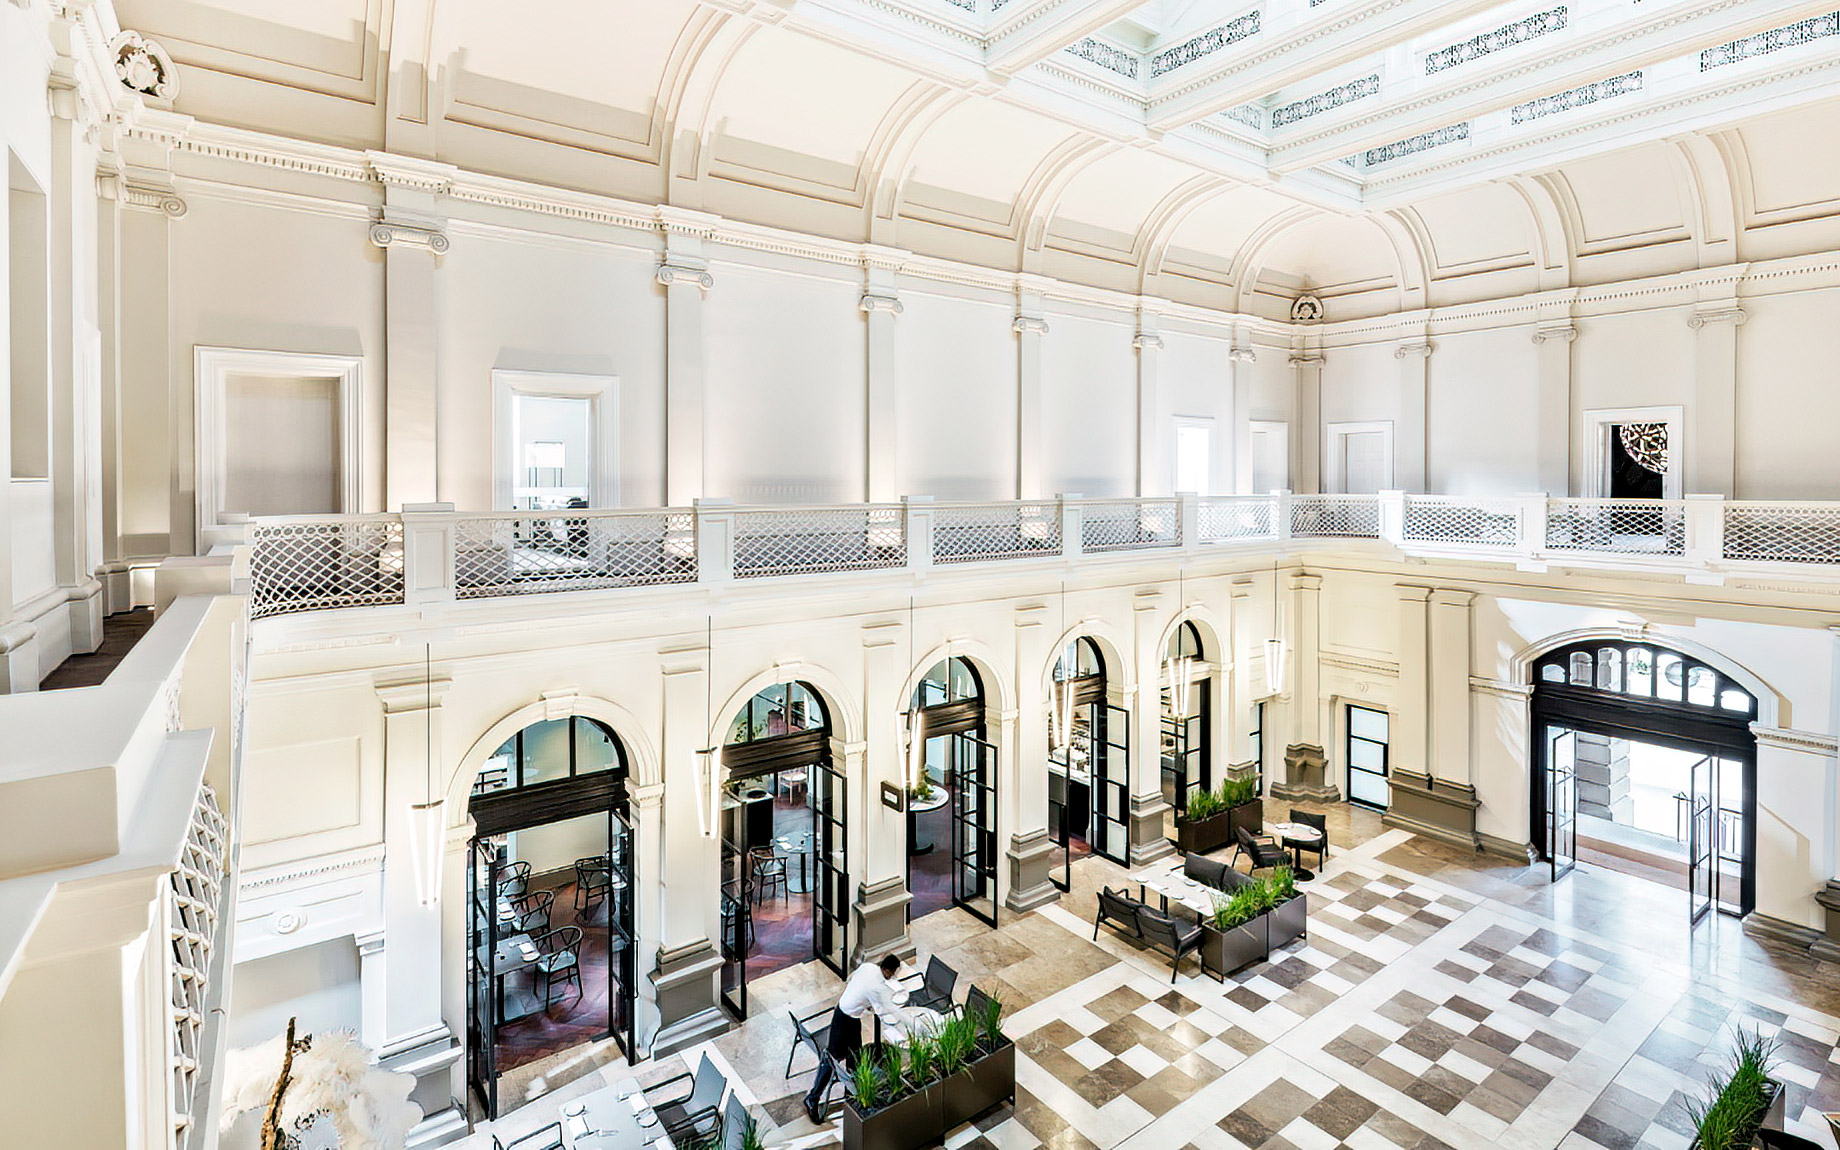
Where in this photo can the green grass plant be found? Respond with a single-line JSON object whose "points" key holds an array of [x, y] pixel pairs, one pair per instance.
{"points": [[1733, 1109]]}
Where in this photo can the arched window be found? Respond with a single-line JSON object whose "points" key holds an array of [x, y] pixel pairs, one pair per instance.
{"points": [[1645, 673], [952, 680], [1085, 663], [782, 709], [1185, 643], [551, 750]]}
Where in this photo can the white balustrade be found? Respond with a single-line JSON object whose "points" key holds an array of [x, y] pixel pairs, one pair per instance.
{"points": [[429, 554]]}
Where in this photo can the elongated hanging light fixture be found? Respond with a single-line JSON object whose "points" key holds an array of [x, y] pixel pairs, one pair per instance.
{"points": [[1178, 669], [1274, 646], [709, 802], [428, 818]]}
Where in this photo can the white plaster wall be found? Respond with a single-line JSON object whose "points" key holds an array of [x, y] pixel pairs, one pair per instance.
{"points": [[1194, 379], [1789, 397], [1088, 395], [955, 397], [315, 984], [1481, 400], [1632, 359]]}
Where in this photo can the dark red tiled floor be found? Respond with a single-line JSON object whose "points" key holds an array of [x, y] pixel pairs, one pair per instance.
{"points": [[572, 1018]]}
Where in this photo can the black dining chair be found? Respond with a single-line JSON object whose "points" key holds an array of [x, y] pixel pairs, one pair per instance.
{"points": [[936, 987], [559, 960], [593, 881], [514, 880], [1783, 1140], [1264, 849], [699, 1111], [737, 918], [768, 871], [1321, 823], [533, 912], [548, 1138], [807, 1032], [1165, 933], [977, 1003], [1118, 908], [735, 1123]]}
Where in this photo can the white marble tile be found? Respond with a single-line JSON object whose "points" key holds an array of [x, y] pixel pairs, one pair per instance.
{"points": [[1146, 1062], [1088, 1053]]}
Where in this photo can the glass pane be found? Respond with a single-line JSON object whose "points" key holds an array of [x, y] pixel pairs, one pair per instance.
{"points": [[1670, 675], [1552, 673], [1609, 669], [1368, 788], [1368, 756], [595, 749], [740, 731], [1701, 686], [546, 751], [1366, 723], [1641, 671], [1581, 669], [1733, 699], [496, 775], [555, 460], [933, 686], [964, 680]]}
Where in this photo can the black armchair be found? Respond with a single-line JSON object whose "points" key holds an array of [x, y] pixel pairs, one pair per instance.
{"points": [[1783, 1140], [804, 1033], [1119, 910], [559, 960], [735, 1123], [593, 880], [1165, 933], [1264, 849], [935, 989], [533, 913], [698, 1111], [548, 1138], [1204, 870], [1321, 824]]}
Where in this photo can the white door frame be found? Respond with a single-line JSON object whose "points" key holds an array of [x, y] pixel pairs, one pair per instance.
{"points": [[1596, 439], [211, 370], [1334, 482], [602, 393]]}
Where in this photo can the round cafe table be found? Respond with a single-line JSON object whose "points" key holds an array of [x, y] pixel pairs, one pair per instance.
{"points": [[919, 807], [1299, 837]]}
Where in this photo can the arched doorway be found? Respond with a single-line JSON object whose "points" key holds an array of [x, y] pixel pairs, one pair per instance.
{"points": [[549, 902], [785, 874], [951, 795], [1646, 754], [1186, 729], [1089, 765]]}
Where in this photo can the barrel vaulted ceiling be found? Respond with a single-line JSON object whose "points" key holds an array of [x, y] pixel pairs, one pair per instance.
{"points": [[1386, 154]]}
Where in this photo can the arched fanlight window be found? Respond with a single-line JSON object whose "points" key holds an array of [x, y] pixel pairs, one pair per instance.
{"points": [[952, 680], [551, 750], [782, 709], [1185, 643], [1086, 662], [1640, 671]]}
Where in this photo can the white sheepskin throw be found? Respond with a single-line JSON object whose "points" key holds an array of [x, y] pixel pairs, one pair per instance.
{"points": [[360, 1106]]}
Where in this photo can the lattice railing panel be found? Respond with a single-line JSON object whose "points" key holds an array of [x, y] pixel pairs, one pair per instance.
{"points": [[1617, 526], [791, 541], [1335, 516], [310, 565], [195, 908], [1466, 522], [1129, 524], [1226, 517], [525, 553], [976, 532], [1783, 532]]}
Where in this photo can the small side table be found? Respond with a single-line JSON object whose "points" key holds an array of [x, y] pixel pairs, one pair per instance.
{"points": [[1299, 837], [920, 807]]}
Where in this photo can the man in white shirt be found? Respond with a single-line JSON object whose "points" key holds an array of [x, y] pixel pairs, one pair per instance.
{"points": [[871, 991]]}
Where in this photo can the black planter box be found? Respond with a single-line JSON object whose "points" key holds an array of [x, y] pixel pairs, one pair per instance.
{"points": [[916, 1120], [981, 1085], [1289, 922], [1249, 817], [1225, 951], [1203, 836], [1773, 1114]]}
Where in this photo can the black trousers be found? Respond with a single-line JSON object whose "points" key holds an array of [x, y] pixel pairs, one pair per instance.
{"points": [[845, 1042]]}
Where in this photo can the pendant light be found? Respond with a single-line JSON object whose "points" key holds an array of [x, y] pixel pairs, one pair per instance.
{"points": [[709, 798], [1274, 646], [912, 723], [427, 819], [1178, 669]]}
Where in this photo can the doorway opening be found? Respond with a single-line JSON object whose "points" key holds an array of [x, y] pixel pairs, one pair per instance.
{"points": [[785, 878], [951, 796], [1089, 765], [549, 903], [1186, 757], [1646, 764]]}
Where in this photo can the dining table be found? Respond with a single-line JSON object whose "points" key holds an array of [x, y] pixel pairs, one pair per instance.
{"points": [[1168, 881], [614, 1117], [512, 954], [1299, 837], [797, 845]]}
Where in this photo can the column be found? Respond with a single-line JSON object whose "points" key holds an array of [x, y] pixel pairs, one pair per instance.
{"points": [[1439, 799], [1149, 809], [1409, 724], [373, 989], [1306, 428], [1553, 336], [411, 235], [1242, 362], [1414, 356], [1305, 768], [112, 571], [684, 274], [880, 305], [881, 862], [687, 864], [1712, 455], [1237, 694], [1153, 476], [1024, 801], [75, 393], [1030, 326], [645, 811], [414, 1032]]}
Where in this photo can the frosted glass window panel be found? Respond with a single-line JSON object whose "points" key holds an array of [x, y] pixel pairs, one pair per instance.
{"points": [[546, 751], [1364, 723], [553, 450], [1367, 756], [595, 750], [281, 445], [1372, 789], [1194, 458]]}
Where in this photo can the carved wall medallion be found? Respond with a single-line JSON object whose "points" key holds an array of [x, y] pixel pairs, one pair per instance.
{"points": [[1306, 308], [143, 66]]}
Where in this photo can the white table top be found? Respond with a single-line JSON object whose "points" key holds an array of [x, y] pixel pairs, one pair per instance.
{"points": [[1296, 831], [607, 1121], [1171, 883]]}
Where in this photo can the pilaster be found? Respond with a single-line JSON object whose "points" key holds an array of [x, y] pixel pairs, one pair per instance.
{"points": [[684, 275], [1031, 327], [880, 306], [1152, 472], [1024, 800], [1306, 425], [1242, 363], [1408, 725], [1237, 693], [1553, 336], [1306, 768], [1149, 809], [1414, 356], [1716, 317]]}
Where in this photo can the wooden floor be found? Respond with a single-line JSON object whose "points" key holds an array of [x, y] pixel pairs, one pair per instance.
{"points": [[119, 635]]}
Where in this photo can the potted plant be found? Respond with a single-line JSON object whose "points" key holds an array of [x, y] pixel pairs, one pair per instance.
{"points": [[987, 1073], [1288, 917], [1235, 935], [1204, 825], [1245, 810], [894, 1103], [1746, 1101]]}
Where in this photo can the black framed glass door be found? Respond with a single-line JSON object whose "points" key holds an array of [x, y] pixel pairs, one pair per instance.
{"points": [[621, 951], [830, 934], [974, 827], [1111, 787], [1060, 829], [1561, 801], [737, 909], [482, 1000], [1367, 758], [1702, 838]]}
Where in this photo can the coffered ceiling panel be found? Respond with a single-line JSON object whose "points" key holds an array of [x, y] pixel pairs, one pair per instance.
{"points": [[1118, 192], [1222, 224], [982, 148], [1626, 199], [600, 61], [1791, 163], [804, 95], [1335, 254], [1483, 228]]}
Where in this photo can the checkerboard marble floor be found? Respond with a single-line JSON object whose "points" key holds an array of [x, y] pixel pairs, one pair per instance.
{"points": [[1438, 1001]]}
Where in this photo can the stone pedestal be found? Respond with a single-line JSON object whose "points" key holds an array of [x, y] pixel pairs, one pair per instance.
{"points": [[881, 920], [1306, 776], [1149, 834], [684, 986], [1434, 808], [1602, 768], [1030, 854]]}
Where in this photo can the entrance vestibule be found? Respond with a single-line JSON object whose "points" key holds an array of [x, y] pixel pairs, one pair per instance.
{"points": [[951, 780], [1089, 765]]}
